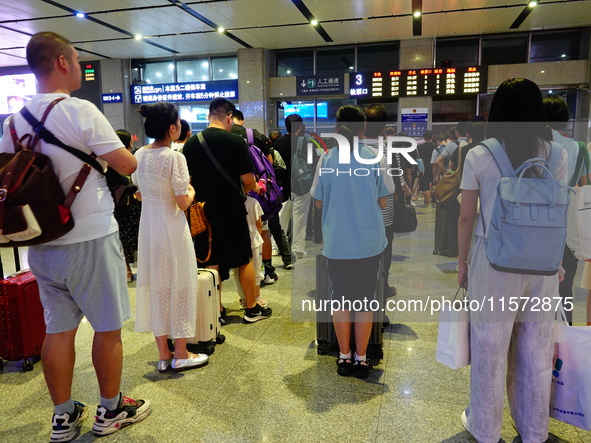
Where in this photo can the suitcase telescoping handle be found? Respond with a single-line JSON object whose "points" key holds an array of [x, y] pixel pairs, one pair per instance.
{"points": [[17, 263]]}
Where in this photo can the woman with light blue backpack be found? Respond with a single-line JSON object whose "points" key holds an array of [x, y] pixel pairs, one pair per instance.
{"points": [[511, 335]]}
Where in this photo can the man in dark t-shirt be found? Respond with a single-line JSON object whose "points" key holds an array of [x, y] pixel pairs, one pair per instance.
{"points": [[425, 153], [222, 191]]}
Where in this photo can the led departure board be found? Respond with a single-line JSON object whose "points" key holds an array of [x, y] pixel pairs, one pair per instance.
{"points": [[418, 82]]}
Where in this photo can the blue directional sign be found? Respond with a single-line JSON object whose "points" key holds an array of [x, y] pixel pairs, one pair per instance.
{"points": [[114, 97], [184, 92]]}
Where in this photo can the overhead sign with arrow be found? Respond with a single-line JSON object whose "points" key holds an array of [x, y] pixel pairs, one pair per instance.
{"points": [[332, 84], [114, 97]]}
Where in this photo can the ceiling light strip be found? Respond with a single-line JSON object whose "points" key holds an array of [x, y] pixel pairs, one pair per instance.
{"points": [[521, 17], [309, 17], [208, 22]]}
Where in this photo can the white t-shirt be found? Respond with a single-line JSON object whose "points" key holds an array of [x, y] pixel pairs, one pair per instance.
{"points": [[255, 212], [177, 146], [77, 123], [481, 173]]}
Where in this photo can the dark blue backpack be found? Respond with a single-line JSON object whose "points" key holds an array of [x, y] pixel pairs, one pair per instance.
{"points": [[272, 198]]}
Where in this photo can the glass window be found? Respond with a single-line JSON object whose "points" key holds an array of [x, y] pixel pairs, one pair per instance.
{"points": [[555, 46], [335, 60], [195, 115], [304, 108], [458, 52], [453, 110], [224, 68], [378, 57], [192, 70], [159, 72], [295, 63], [504, 51]]}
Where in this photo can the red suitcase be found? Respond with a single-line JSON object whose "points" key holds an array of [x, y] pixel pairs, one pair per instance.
{"points": [[22, 326]]}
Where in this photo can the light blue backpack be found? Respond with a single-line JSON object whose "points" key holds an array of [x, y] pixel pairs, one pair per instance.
{"points": [[528, 224]]}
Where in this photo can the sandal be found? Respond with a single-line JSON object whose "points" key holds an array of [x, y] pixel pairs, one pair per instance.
{"points": [[361, 369], [344, 367], [130, 277]]}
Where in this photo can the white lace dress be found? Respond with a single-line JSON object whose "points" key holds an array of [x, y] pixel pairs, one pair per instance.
{"points": [[167, 269]]}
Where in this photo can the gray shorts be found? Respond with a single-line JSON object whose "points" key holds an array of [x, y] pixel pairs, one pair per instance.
{"points": [[82, 279]]}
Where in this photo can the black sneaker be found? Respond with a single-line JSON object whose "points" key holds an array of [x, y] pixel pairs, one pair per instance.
{"points": [[256, 313], [64, 427], [344, 367], [130, 411], [361, 369]]}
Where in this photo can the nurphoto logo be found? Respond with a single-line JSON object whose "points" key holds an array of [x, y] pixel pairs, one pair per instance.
{"points": [[405, 145]]}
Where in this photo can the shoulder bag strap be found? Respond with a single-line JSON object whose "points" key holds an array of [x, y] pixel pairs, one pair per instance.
{"points": [[249, 136], [42, 132], [500, 156], [217, 164]]}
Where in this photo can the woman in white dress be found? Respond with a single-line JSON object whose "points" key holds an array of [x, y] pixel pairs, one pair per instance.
{"points": [[167, 269]]}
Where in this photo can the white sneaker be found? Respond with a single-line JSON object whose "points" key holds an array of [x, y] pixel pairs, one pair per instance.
{"points": [[268, 280], [64, 427]]}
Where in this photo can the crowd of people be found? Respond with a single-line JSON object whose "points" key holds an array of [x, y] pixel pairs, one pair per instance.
{"points": [[140, 219]]}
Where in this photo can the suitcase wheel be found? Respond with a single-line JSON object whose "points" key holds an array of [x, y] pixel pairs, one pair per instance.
{"points": [[323, 348], [27, 365], [220, 339]]}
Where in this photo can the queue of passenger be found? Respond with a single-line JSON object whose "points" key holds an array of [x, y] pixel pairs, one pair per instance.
{"points": [[215, 166]]}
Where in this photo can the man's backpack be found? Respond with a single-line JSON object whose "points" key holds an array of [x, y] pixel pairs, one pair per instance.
{"points": [[527, 229], [302, 172], [33, 207], [272, 198], [448, 188]]}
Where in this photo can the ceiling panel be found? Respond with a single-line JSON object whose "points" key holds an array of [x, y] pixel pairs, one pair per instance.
{"points": [[493, 20], [369, 30], [558, 15], [394, 27], [71, 27], [325, 10], [154, 21], [207, 43], [432, 6], [270, 12], [431, 24], [342, 32], [27, 9], [124, 49], [453, 5], [468, 22], [449, 23]]}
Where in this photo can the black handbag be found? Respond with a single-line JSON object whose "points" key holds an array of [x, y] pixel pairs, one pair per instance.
{"points": [[405, 216]]}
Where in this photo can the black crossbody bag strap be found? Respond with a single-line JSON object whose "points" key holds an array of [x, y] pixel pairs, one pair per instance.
{"points": [[217, 164], [47, 136]]}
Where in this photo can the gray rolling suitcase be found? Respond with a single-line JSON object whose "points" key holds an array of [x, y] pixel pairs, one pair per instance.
{"points": [[326, 339]]}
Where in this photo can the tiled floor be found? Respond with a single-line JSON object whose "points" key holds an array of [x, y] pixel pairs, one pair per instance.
{"points": [[267, 382]]}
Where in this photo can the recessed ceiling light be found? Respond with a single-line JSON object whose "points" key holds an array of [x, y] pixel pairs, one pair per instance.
{"points": [[220, 29], [532, 4], [351, 67], [80, 15], [563, 55], [314, 22], [542, 72], [417, 14], [138, 37], [220, 70], [289, 71]]}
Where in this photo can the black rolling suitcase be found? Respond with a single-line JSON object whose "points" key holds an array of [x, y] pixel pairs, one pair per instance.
{"points": [[326, 339], [446, 230]]}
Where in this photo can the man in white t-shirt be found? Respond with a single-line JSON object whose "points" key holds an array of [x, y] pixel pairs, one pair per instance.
{"points": [[81, 274]]}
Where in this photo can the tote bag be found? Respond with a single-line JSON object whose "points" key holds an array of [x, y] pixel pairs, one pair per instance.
{"points": [[570, 399], [578, 228], [453, 335]]}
